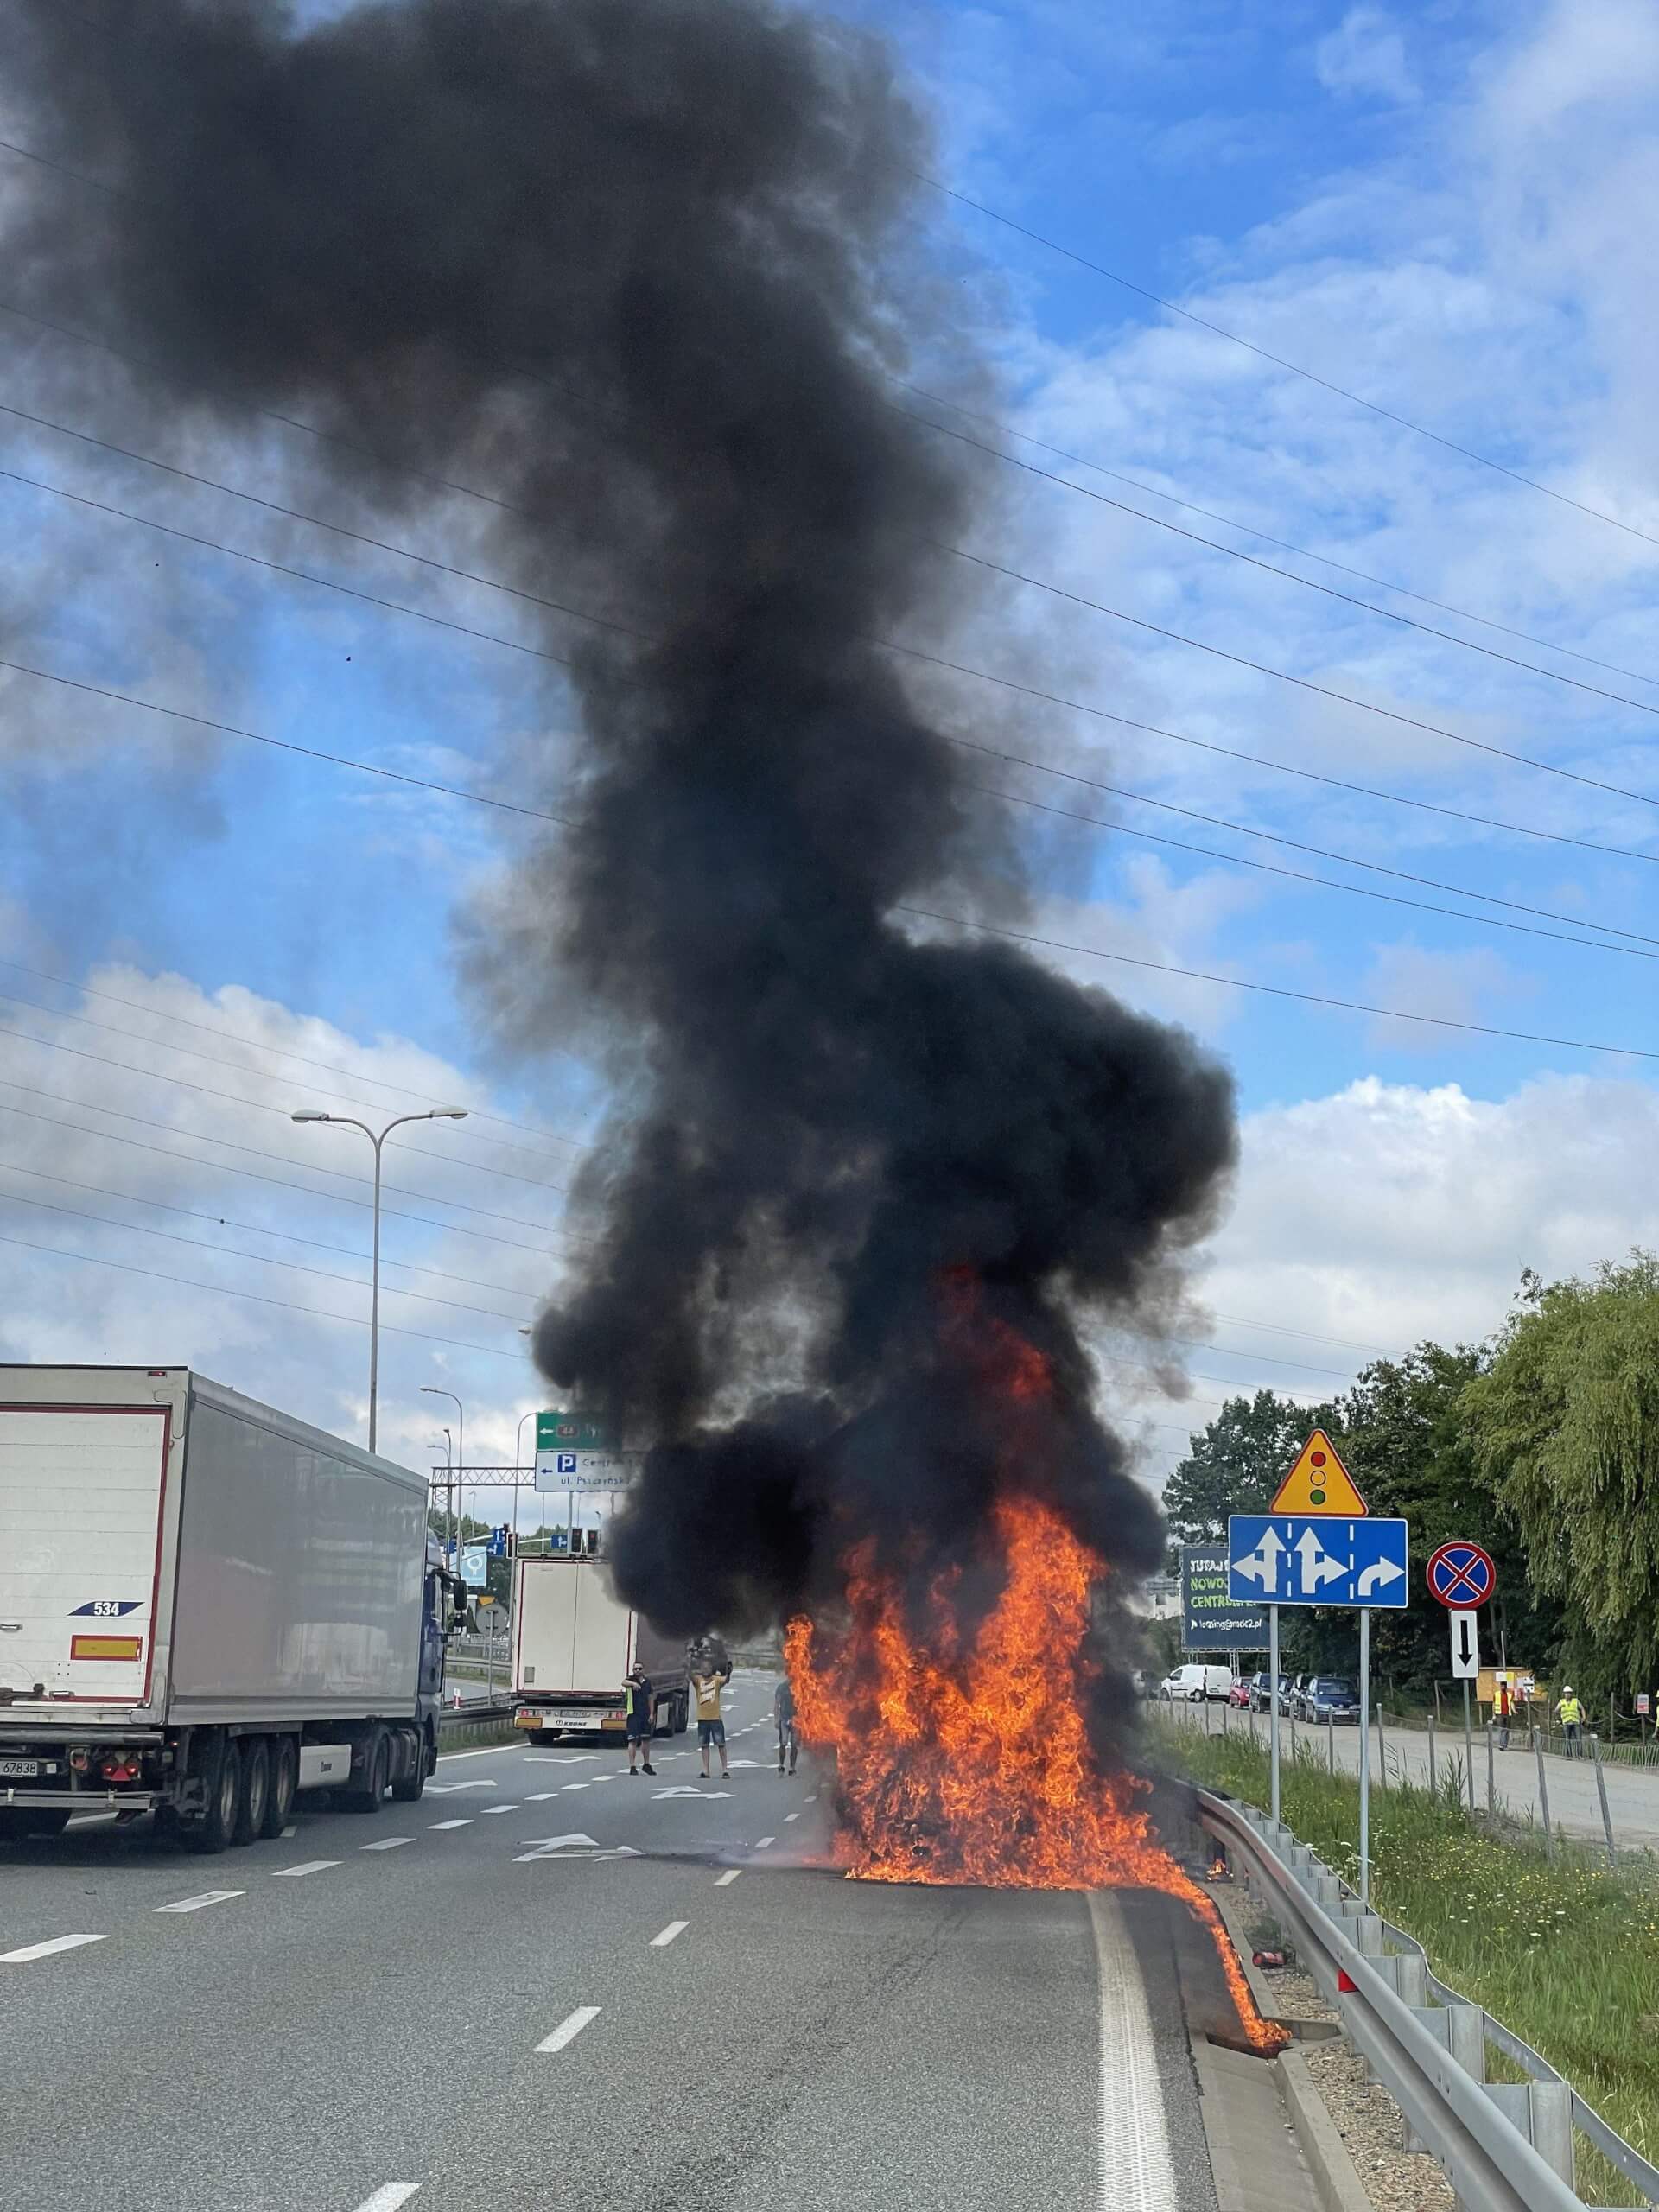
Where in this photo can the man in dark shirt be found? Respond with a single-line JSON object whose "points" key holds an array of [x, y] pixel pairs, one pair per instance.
{"points": [[783, 1712], [640, 1699]]}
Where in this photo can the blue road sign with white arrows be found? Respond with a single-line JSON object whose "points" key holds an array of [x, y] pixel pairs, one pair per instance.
{"points": [[1315, 1559]]}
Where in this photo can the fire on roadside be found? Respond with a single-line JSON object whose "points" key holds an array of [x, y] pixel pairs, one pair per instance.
{"points": [[962, 1744]]}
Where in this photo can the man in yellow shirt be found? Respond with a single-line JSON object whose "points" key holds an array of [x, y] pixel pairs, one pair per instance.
{"points": [[1569, 1711], [711, 1729]]}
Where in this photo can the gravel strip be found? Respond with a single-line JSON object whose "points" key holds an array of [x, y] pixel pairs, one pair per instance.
{"points": [[1365, 2115]]}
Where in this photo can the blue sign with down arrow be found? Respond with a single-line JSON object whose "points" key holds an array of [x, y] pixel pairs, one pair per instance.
{"points": [[1311, 1558]]}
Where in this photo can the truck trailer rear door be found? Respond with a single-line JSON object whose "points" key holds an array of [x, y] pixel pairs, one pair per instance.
{"points": [[81, 1492]]}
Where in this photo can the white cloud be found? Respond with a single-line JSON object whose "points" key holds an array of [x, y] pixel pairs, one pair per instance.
{"points": [[1366, 55]]}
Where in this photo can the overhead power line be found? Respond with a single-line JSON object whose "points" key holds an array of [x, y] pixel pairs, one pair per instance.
{"points": [[254, 1259], [243, 1228], [251, 1152], [1277, 991], [1278, 360], [255, 1297]]}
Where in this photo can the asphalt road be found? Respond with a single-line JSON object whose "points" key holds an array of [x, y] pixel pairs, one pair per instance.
{"points": [[482, 2001], [1632, 1792]]}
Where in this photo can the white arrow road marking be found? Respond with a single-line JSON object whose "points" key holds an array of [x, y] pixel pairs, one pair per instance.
{"points": [[1378, 1575], [445, 1788], [195, 1905], [294, 1874], [32, 1951], [622, 1851], [660, 1942], [568, 2030], [685, 1792]]}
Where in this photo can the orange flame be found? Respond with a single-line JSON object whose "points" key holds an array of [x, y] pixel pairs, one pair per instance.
{"points": [[968, 1759]]}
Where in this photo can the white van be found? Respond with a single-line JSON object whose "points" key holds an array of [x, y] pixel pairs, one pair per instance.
{"points": [[1194, 1683]]}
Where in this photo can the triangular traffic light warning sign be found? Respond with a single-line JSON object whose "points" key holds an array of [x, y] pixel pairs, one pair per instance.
{"points": [[1318, 1482]]}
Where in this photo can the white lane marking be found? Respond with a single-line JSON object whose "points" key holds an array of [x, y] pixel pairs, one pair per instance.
{"points": [[447, 1789], [1136, 2170], [764, 1841], [289, 1832], [488, 1750], [575, 1785], [31, 1951], [561, 1758], [550, 1842], [435, 1825], [674, 1928], [88, 1821], [684, 1791], [389, 2197], [488, 1810], [195, 1905], [540, 1796], [724, 1881], [812, 1799], [387, 1843], [568, 2030], [791, 1816], [310, 1866]]}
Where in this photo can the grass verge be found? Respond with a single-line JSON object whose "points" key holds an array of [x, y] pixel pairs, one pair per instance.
{"points": [[1564, 1952]]}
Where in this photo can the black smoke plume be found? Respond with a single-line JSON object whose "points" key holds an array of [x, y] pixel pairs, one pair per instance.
{"points": [[644, 269]]}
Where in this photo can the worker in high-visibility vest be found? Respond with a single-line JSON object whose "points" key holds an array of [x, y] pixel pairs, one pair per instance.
{"points": [[1502, 1711], [1569, 1710]]}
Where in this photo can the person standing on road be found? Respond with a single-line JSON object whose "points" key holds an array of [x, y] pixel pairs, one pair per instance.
{"points": [[711, 1729], [783, 1712], [1570, 1712], [640, 1699], [1502, 1711]]}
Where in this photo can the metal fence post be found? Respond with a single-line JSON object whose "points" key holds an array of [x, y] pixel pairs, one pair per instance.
{"points": [[1331, 1741], [1381, 1751], [1433, 1780], [1468, 1744], [1601, 1792], [1491, 1774], [1543, 1790]]}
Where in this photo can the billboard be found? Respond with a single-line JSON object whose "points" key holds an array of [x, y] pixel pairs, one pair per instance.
{"points": [[1210, 1619]]}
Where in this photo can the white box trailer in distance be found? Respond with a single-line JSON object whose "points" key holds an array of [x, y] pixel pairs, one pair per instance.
{"points": [[205, 1605], [574, 1640]]}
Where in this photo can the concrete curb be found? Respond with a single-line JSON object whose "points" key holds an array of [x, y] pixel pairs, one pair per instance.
{"points": [[1335, 2176]]}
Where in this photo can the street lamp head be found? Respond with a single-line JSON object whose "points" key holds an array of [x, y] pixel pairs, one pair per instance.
{"points": [[310, 1114], [449, 1114]]}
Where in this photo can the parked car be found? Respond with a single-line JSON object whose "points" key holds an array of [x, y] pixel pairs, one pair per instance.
{"points": [[1259, 1692], [1191, 1684], [1330, 1697], [1239, 1695], [1290, 1693]]}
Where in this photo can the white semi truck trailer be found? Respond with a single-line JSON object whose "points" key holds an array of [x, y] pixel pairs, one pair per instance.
{"points": [[573, 1641], [205, 1607]]}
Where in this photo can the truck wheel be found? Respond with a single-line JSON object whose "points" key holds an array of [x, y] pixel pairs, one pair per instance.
{"points": [[370, 1793], [253, 1800], [215, 1830], [407, 1789], [284, 1775]]}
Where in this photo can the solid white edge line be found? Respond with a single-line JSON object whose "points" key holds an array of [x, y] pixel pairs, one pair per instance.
{"points": [[389, 2197], [196, 1903], [568, 2029], [27, 1952], [1137, 2172], [724, 1881], [661, 1942]]}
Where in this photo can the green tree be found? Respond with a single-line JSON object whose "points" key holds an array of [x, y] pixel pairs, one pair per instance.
{"points": [[1564, 1427], [1236, 1463]]}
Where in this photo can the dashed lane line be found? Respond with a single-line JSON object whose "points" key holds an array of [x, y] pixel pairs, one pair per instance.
{"points": [[791, 1816], [388, 1843], [28, 1953], [724, 1881], [436, 1826], [308, 1866], [198, 1904], [661, 1941], [765, 1842], [488, 1810], [568, 2029], [389, 2197]]}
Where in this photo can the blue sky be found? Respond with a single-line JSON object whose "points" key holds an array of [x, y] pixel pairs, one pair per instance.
{"points": [[1446, 208]]}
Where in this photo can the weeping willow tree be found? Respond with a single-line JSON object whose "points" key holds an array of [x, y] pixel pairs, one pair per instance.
{"points": [[1564, 1426]]}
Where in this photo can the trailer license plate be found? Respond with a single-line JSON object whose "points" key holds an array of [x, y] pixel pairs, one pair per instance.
{"points": [[19, 1770], [584, 1717]]}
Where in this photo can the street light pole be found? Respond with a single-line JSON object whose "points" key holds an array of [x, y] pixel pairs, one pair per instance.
{"points": [[430, 1390], [347, 1121]]}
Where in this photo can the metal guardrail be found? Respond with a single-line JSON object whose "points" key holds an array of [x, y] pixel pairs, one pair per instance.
{"points": [[1505, 2147], [478, 1708]]}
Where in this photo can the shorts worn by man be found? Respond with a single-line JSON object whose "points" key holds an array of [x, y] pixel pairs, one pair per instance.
{"points": [[711, 1729], [640, 1699]]}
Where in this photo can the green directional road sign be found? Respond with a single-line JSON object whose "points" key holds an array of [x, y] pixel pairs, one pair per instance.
{"points": [[573, 1432]]}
